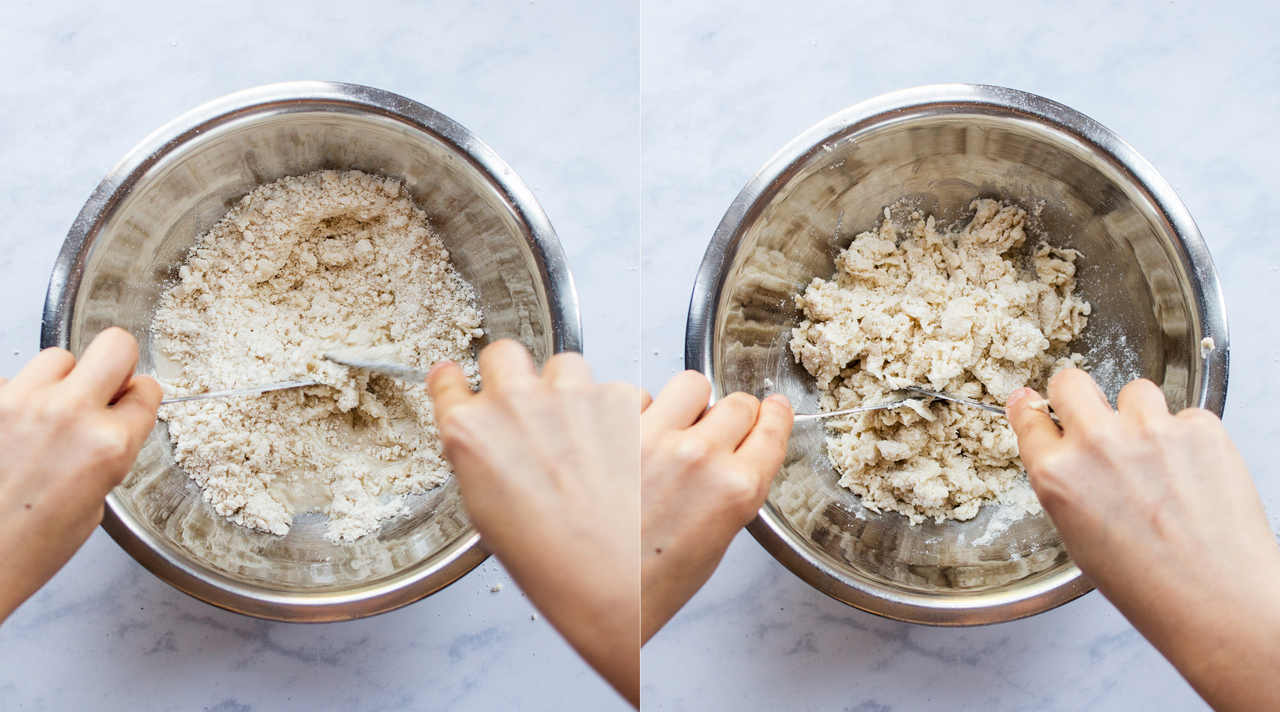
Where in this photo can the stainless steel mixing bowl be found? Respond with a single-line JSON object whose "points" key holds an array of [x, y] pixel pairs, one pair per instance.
{"points": [[125, 249], [1145, 269]]}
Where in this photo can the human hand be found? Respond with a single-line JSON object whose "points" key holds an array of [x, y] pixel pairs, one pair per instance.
{"points": [[704, 475], [68, 433], [549, 468], [1159, 511]]}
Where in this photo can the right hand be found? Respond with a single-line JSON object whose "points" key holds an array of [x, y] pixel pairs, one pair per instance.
{"points": [[546, 464], [704, 475], [1159, 511], [68, 433]]}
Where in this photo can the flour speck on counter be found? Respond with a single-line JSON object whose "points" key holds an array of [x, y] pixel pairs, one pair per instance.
{"points": [[299, 266]]}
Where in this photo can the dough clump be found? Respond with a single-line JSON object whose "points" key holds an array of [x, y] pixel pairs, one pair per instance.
{"points": [[945, 309], [298, 267]]}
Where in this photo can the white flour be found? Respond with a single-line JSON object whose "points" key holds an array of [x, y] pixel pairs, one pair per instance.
{"points": [[947, 310], [297, 267]]}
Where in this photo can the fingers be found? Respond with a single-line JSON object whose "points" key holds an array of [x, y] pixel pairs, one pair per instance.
{"points": [[567, 368], [108, 362], [504, 362], [766, 444], [136, 407], [448, 387], [47, 367], [645, 399], [729, 420], [1199, 414], [1143, 399], [680, 403], [1077, 399], [124, 388], [1036, 432]]}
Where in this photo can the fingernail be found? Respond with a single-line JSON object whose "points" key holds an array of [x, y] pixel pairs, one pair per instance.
{"points": [[436, 367], [1017, 396], [781, 399]]}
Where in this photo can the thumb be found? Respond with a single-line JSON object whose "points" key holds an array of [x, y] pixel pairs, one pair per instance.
{"points": [[448, 387], [137, 404], [765, 447], [1036, 431]]}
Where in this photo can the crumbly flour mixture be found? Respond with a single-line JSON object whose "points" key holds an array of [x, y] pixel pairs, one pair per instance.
{"points": [[946, 309], [300, 266]]}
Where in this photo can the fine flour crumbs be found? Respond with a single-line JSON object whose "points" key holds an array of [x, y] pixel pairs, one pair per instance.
{"points": [[943, 308], [303, 265]]}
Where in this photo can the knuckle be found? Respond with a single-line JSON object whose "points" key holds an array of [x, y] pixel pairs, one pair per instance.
{"points": [[450, 422], [1199, 416], [740, 403], [693, 379], [59, 356], [1050, 477], [620, 391], [461, 427], [1163, 429], [1066, 375], [60, 410], [567, 388], [774, 432], [1094, 435], [1137, 384], [453, 439], [1201, 426], [693, 452], [110, 445], [505, 344], [742, 494], [1048, 467], [508, 395], [612, 399], [566, 358]]}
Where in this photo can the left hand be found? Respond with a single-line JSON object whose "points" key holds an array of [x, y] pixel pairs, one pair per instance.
{"points": [[704, 475], [69, 431]]}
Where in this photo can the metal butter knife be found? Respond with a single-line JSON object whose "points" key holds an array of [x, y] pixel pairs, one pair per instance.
{"points": [[252, 390], [386, 368], [937, 395]]}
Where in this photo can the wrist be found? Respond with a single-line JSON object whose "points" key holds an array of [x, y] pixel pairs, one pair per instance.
{"points": [[1222, 633]]}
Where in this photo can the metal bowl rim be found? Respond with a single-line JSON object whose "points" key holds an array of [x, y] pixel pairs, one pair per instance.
{"points": [[769, 529]]}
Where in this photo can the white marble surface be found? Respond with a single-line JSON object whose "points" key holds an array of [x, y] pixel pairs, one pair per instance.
{"points": [[1192, 86], [590, 103], [550, 85]]}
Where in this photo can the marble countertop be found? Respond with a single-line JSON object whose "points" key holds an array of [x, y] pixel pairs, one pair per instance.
{"points": [[1192, 86], [622, 115], [550, 86]]}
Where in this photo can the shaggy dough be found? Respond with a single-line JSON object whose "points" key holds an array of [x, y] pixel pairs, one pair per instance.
{"points": [[298, 267], [949, 310]]}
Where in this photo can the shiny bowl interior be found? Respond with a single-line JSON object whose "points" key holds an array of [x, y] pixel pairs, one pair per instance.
{"points": [[1145, 270], [125, 250]]}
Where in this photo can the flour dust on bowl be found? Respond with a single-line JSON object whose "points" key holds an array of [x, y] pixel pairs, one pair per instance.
{"points": [[1143, 267], [128, 243]]}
